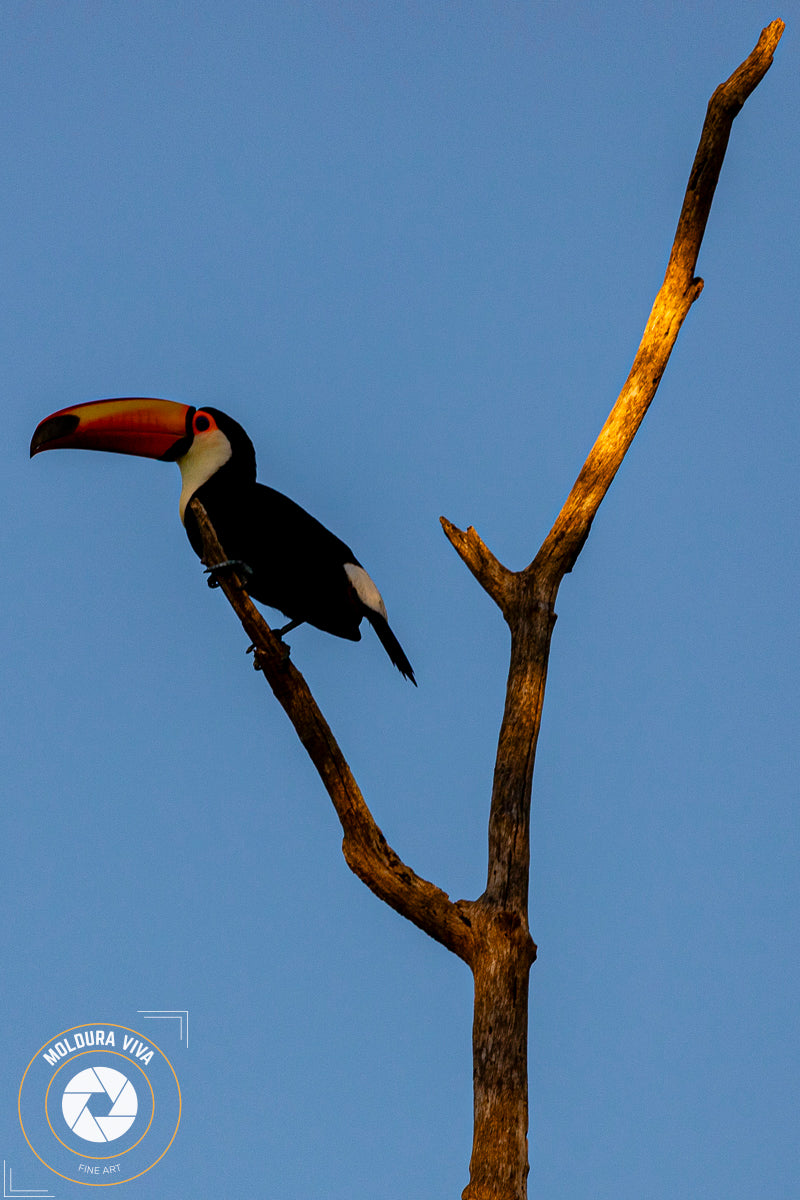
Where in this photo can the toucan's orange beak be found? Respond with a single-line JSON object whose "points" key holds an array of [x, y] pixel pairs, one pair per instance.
{"points": [[134, 425]]}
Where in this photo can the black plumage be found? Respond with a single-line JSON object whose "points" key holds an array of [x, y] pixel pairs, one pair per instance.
{"points": [[296, 565]]}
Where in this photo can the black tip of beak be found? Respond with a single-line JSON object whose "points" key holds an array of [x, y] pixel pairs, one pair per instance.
{"points": [[51, 430]]}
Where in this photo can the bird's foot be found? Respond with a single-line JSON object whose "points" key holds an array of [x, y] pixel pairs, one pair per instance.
{"points": [[228, 564], [258, 665]]}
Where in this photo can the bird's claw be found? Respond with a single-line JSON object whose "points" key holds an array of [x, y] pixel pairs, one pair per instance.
{"points": [[257, 665], [228, 564]]}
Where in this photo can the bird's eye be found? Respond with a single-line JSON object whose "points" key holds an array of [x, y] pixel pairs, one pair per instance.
{"points": [[201, 423]]}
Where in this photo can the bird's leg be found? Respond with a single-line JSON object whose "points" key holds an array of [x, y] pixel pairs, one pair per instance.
{"points": [[227, 565], [288, 628]]}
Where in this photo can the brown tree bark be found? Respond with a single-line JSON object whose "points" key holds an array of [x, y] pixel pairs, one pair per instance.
{"points": [[491, 933]]}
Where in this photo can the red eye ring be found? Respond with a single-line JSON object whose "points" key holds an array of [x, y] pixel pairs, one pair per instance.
{"points": [[201, 423]]}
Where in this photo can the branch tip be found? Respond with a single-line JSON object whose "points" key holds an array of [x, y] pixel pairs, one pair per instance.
{"points": [[490, 573], [677, 294]]}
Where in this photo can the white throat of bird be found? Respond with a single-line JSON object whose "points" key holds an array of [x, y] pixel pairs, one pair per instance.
{"points": [[207, 453]]}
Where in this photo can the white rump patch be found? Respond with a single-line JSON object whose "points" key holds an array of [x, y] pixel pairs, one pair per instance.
{"points": [[365, 589], [208, 452]]}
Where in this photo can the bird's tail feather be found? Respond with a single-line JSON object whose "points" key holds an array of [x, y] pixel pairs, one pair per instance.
{"points": [[390, 644]]}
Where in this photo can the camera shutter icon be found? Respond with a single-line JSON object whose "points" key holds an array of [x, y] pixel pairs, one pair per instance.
{"points": [[91, 1082]]}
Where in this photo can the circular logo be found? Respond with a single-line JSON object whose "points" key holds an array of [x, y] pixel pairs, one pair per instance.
{"points": [[103, 1081], [99, 1104]]}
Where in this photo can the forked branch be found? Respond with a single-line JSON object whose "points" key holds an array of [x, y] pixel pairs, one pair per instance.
{"points": [[678, 292]]}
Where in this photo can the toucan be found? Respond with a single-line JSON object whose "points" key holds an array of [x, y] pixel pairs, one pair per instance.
{"points": [[289, 560]]}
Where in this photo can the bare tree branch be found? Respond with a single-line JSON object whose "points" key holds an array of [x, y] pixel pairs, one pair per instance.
{"points": [[364, 847], [527, 597], [677, 294], [490, 573]]}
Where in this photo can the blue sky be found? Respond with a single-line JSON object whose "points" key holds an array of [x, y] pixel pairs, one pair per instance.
{"points": [[411, 248]]}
